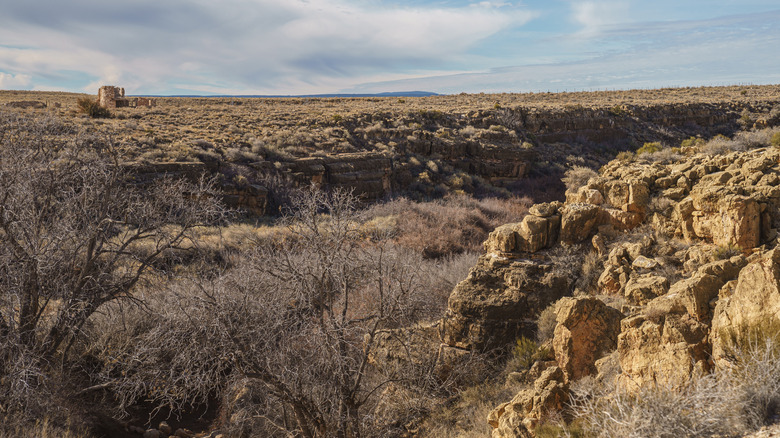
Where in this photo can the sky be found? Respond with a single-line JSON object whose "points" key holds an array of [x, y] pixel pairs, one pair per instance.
{"points": [[288, 47]]}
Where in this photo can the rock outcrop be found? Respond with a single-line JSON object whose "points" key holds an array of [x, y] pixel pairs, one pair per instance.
{"points": [[251, 198], [538, 230], [586, 330], [366, 174], [661, 349], [499, 301], [519, 417], [728, 200], [751, 310], [669, 341]]}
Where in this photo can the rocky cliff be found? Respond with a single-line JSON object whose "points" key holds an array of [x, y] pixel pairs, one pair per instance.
{"points": [[682, 249]]}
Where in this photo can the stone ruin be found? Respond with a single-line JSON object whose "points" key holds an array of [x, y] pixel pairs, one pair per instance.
{"points": [[111, 97]]}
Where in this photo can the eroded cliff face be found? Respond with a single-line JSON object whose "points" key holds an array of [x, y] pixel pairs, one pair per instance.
{"points": [[684, 253], [431, 152]]}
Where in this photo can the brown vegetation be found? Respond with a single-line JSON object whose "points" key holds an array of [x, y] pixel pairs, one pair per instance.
{"points": [[131, 295]]}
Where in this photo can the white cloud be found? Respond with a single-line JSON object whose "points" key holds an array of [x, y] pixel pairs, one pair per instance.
{"points": [[723, 51], [253, 45], [594, 16], [11, 81], [491, 4]]}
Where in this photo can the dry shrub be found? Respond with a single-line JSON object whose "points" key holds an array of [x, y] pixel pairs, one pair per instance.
{"points": [[465, 416], [299, 318], [591, 268], [719, 144], [664, 155], [92, 108], [578, 176], [453, 225], [69, 221], [755, 139], [42, 428], [699, 410], [661, 204], [731, 401], [742, 141], [545, 324]]}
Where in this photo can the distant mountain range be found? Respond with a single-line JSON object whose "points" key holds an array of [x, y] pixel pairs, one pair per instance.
{"points": [[387, 94]]}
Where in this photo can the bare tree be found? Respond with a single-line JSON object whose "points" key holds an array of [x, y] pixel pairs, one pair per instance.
{"points": [[296, 324], [75, 234]]}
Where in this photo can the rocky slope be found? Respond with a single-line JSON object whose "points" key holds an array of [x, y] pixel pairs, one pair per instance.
{"points": [[682, 249], [688, 246], [422, 147]]}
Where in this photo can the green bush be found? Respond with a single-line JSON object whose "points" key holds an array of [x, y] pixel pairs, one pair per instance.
{"points": [[626, 156], [726, 251], [692, 142], [527, 352], [775, 140], [617, 111], [649, 148], [92, 108], [553, 430]]}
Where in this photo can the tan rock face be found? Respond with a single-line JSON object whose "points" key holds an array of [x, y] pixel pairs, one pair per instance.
{"points": [[545, 209], [755, 303], [613, 279], [586, 330], [693, 295], [578, 221], [664, 351], [627, 195], [585, 195], [531, 235], [522, 415], [620, 219], [499, 301], [641, 289], [717, 214], [669, 340]]}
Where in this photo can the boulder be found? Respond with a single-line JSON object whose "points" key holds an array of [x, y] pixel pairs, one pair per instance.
{"points": [[545, 209], [643, 262], [668, 341], [631, 195], [531, 235], [695, 294], [721, 215], [661, 349], [499, 301], [578, 222], [522, 415], [641, 289], [620, 219], [752, 309], [502, 240], [613, 279], [584, 195], [165, 428], [586, 330]]}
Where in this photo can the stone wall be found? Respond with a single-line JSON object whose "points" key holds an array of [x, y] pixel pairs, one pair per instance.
{"points": [[111, 97]]}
